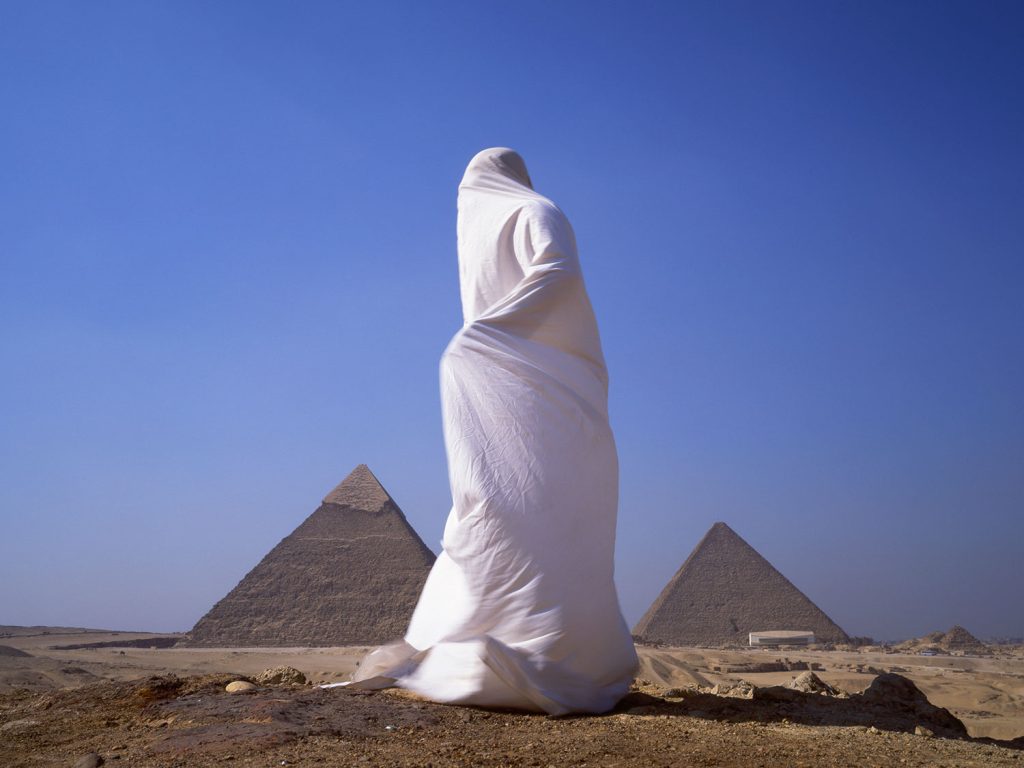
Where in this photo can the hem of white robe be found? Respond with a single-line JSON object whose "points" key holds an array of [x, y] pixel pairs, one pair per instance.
{"points": [[509, 667]]}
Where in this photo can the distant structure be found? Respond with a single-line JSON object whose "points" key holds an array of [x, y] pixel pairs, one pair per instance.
{"points": [[956, 641], [781, 637], [724, 591], [959, 639], [349, 575]]}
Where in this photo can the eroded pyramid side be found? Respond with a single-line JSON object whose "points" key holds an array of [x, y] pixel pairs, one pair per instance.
{"points": [[350, 574], [725, 590]]}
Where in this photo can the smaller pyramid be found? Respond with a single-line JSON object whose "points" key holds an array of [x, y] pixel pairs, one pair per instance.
{"points": [[724, 591], [350, 574], [959, 638]]}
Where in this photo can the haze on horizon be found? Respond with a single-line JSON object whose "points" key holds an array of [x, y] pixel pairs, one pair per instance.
{"points": [[227, 273]]}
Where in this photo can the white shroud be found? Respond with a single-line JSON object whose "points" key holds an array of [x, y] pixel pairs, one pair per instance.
{"points": [[520, 609]]}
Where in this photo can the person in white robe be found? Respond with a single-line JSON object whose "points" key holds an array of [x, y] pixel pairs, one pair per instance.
{"points": [[520, 609]]}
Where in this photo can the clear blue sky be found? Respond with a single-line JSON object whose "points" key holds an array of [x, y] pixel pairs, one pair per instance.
{"points": [[227, 273]]}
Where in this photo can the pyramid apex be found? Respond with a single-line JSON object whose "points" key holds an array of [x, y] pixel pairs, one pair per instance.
{"points": [[361, 489], [721, 529]]}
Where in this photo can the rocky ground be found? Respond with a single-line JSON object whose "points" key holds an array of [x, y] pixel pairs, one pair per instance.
{"points": [[193, 721]]}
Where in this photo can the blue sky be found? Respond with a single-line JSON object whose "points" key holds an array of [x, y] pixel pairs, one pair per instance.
{"points": [[227, 273]]}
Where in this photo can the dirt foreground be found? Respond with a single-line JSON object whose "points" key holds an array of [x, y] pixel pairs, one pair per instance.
{"points": [[130, 712]]}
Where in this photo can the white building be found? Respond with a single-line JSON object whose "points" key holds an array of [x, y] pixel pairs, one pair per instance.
{"points": [[781, 637]]}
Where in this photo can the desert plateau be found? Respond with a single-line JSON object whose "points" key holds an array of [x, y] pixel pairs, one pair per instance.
{"points": [[76, 696]]}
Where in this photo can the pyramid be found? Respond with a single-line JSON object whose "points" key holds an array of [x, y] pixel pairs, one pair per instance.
{"points": [[956, 639], [724, 591], [350, 574], [959, 638]]}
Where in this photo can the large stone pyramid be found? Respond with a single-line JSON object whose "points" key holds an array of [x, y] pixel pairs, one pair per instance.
{"points": [[349, 575], [724, 591]]}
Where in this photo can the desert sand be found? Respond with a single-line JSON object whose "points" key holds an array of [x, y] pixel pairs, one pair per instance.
{"points": [[50, 691]]}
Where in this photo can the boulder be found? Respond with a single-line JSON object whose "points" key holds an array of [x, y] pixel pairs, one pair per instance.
{"points": [[898, 694], [808, 682]]}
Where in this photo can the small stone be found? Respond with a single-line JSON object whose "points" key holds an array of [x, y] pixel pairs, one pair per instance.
{"points": [[920, 730], [872, 729], [90, 760], [239, 686]]}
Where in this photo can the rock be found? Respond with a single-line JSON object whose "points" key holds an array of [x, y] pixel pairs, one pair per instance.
{"points": [[281, 676], [872, 729], [742, 690], [808, 682], [680, 693], [775, 693], [91, 760], [920, 730], [239, 686], [899, 695]]}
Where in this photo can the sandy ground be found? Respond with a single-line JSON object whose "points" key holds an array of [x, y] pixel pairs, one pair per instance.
{"points": [[36, 673], [986, 693]]}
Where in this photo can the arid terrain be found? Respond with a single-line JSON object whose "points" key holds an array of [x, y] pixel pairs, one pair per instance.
{"points": [[137, 702]]}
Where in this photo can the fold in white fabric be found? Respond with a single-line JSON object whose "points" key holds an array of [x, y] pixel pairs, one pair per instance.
{"points": [[520, 609]]}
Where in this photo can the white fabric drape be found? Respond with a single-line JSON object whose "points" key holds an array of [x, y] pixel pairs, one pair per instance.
{"points": [[520, 609]]}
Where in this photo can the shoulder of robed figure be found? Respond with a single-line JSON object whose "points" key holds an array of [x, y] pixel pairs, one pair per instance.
{"points": [[543, 214]]}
